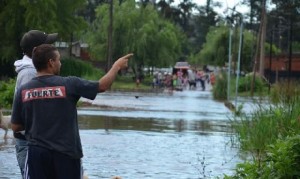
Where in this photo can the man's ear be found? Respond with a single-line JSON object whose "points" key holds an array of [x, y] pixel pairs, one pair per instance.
{"points": [[51, 61]]}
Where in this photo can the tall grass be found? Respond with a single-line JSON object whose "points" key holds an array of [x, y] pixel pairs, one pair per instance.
{"points": [[260, 133], [264, 126], [282, 161], [283, 92]]}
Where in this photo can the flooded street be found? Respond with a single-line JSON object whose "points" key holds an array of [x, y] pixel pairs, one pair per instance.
{"points": [[180, 135]]}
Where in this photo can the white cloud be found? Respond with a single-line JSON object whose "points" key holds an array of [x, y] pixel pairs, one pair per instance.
{"points": [[227, 4]]}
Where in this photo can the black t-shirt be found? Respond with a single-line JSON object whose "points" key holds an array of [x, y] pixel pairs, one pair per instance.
{"points": [[46, 106]]}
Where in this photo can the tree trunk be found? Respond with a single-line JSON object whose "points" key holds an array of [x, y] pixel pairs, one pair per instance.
{"points": [[109, 39], [262, 42], [260, 45]]}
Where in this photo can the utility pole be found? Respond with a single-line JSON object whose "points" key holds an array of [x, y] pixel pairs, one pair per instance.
{"points": [[229, 63], [239, 58]]}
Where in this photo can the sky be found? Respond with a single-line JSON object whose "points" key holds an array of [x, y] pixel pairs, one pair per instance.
{"points": [[226, 4]]}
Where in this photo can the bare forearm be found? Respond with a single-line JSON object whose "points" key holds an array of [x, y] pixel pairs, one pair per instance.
{"points": [[106, 81]]}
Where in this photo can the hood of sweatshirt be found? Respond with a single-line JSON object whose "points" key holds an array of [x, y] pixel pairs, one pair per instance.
{"points": [[24, 63]]}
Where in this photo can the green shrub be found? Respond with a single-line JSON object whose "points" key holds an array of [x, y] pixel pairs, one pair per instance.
{"points": [[245, 84], [250, 170], [283, 92], [220, 87], [75, 67], [282, 161], [265, 125], [284, 158], [7, 90], [262, 135]]}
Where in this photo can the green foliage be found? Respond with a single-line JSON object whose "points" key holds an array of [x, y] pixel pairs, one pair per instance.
{"points": [[127, 82], [220, 87], [257, 131], [271, 135], [245, 84], [7, 89], [60, 16], [68, 22], [19, 16], [282, 92], [11, 28], [215, 49], [153, 40], [274, 50], [75, 67], [249, 41], [36, 12], [296, 46], [207, 17], [284, 158], [282, 161], [266, 124], [247, 170]]}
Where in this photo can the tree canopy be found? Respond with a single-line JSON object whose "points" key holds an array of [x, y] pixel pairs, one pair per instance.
{"points": [[19, 16], [157, 32], [138, 29]]}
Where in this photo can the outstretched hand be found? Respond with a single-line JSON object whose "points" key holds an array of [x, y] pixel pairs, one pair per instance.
{"points": [[122, 62]]}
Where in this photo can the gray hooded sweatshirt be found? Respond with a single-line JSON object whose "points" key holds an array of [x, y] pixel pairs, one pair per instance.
{"points": [[25, 70]]}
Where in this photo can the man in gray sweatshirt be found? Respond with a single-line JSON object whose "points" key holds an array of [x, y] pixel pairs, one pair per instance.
{"points": [[26, 72]]}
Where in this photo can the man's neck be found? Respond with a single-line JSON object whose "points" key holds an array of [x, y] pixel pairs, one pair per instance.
{"points": [[44, 73]]}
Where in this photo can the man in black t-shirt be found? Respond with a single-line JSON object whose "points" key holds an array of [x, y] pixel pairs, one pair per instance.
{"points": [[26, 71], [46, 108]]}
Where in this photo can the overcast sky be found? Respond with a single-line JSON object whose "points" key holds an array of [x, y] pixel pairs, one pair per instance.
{"points": [[226, 4]]}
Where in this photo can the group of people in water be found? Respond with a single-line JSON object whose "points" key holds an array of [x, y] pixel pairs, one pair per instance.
{"points": [[184, 79]]}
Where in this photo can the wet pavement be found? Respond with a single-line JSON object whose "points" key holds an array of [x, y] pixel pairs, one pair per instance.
{"points": [[182, 135]]}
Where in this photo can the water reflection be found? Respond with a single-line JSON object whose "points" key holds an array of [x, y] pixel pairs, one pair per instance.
{"points": [[158, 135], [152, 124], [139, 154]]}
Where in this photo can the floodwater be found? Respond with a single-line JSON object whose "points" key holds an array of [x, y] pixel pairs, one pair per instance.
{"points": [[180, 135]]}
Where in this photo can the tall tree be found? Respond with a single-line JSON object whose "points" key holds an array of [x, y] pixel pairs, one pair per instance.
{"points": [[153, 40], [254, 13], [216, 48], [89, 13], [169, 11], [285, 12], [11, 28], [186, 7], [202, 21], [19, 16]]}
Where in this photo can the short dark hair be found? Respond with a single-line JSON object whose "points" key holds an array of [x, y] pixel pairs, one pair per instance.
{"points": [[34, 38], [42, 54]]}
